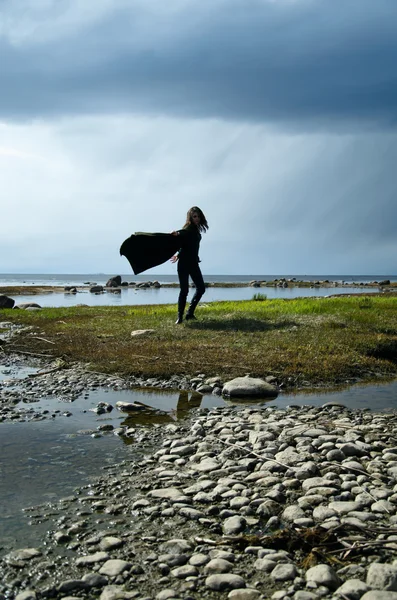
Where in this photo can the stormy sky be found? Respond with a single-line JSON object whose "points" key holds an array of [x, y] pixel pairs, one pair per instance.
{"points": [[277, 117]]}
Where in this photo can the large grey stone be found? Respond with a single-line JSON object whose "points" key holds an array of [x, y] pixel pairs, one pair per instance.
{"points": [[224, 581], [170, 493], [114, 567], [234, 525], [243, 387], [218, 565], [323, 575], [184, 571], [284, 572], [382, 577], [293, 512], [352, 589]]}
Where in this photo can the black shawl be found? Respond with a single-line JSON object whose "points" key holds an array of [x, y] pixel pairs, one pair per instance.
{"points": [[147, 250]]}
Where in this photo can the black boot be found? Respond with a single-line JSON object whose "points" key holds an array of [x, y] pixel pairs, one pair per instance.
{"points": [[190, 311], [190, 317], [181, 310]]}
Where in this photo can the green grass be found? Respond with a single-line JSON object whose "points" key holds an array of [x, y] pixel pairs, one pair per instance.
{"points": [[300, 341]]}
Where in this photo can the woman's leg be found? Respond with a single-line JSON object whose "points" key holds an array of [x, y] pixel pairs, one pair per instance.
{"points": [[183, 274], [197, 277]]}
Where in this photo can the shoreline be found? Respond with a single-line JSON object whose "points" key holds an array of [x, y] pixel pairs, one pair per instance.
{"points": [[229, 499], [255, 284]]}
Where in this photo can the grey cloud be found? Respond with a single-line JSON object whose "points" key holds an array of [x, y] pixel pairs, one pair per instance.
{"points": [[305, 63]]}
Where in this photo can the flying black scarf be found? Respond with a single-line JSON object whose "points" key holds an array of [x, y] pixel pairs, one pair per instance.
{"points": [[147, 250]]}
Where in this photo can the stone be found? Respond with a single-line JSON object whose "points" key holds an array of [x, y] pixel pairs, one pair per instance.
{"points": [[113, 592], [142, 332], [383, 506], [199, 559], [352, 589], [95, 580], [379, 595], [114, 567], [6, 302], [91, 559], [243, 387], [114, 281], [233, 525], [166, 493], [167, 594], [96, 289], [284, 572], [176, 546], [342, 508], [244, 594], [185, 571], [218, 565], [207, 465], [191, 513], [129, 407], [26, 595], [23, 554], [70, 585], [321, 513], [323, 575], [109, 542], [292, 512], [265, 564], [304, 595], [224, 581], [382, 577]]}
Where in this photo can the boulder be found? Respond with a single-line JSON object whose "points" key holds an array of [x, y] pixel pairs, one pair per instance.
{"points": [[129, 407], [26, 305], [249, 387], [114, 281], [385, 282], [6, 302], [96, 289]]}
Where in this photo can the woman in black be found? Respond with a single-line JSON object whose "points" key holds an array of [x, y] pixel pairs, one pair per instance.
{"points": [[188, 261]]}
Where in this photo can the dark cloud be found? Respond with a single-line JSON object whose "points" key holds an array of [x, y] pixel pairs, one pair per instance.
{"points": [[307, 63]]}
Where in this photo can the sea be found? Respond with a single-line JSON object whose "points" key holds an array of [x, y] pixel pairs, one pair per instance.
{"points": [[342, 284]]}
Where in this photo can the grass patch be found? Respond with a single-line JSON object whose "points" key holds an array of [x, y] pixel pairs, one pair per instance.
{"points": [[258, 297], [303, 340]]}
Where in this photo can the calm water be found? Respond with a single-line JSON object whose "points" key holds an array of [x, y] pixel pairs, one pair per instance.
{"points": [[129, 297], [36, 455]]}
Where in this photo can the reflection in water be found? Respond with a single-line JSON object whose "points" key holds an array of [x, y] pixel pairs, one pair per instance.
{"points": [[155, 416]]}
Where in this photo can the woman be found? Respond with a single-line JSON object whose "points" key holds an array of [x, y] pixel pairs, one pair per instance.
{"points": [[188, 261]]}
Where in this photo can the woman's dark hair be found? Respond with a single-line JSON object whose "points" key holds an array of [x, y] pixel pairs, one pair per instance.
{"points": [[203, 225]]}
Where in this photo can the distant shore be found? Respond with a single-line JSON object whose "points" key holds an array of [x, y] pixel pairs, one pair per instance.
{"points": [[384, 286]]}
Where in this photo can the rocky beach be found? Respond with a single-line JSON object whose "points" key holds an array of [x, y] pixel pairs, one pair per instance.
{"points": [[237, 503]]}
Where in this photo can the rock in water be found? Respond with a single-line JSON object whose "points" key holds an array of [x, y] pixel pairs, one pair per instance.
{"points": [[249, 387]]}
